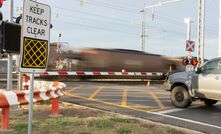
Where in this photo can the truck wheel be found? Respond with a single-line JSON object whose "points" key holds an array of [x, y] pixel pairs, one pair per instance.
{"points": [[180, 97], [210, 102]]}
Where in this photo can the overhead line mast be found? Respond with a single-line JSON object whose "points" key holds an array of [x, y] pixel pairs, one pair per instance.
{"points": [[219, 47], [201, 31], [143, 11], [143, 29]]}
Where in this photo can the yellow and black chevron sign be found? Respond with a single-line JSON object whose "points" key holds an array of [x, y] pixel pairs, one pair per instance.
{"points": [[34, 53]]}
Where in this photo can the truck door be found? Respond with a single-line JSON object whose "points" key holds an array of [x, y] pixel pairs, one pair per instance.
{"points": [[207, 83]]}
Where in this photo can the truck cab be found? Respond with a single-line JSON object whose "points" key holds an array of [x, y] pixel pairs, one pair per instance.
{"points": [[203, 84]]}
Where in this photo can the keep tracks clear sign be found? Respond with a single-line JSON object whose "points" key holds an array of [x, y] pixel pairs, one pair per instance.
{"points": [[35, 37]]}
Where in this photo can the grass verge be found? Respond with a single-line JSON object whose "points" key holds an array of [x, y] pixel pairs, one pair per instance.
{"points": [[82, 120]]}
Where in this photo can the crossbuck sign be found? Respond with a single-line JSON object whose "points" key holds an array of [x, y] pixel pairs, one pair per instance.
{"points": [[35, 37], [190, 45]]}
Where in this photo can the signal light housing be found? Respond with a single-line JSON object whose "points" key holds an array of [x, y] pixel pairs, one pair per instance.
{"points": [[1, 3], [190, 61], [185, 61], [194, 61], [10, 37]]}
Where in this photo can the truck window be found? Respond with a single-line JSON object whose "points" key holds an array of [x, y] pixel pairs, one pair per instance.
{"points": [[212, 67]]}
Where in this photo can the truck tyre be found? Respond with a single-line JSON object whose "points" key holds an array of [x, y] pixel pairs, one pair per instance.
{"points": [[180, 97], [210, 102]]}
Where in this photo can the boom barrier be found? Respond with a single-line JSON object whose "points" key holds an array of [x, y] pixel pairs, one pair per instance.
{"points": [[102, 73]]}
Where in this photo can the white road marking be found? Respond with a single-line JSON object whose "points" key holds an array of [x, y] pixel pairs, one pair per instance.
{"points": [[187, 120]]}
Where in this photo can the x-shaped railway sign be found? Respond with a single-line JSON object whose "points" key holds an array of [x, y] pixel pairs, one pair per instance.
{"points": [[190, 45]]}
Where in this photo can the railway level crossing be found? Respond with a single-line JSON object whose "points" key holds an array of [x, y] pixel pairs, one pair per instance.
{"points": [[152, 103]]}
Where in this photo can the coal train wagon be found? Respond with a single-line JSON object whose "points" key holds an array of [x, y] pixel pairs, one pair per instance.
{"points": [[111, 60]]}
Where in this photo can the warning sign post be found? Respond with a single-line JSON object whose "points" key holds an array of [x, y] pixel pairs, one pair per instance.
{"points": [[190, 46], [34, 44], [35, 37]]}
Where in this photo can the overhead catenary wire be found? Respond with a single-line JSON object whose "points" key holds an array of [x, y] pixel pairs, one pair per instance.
{"points": [[121, 3], [96, 27], [122, 22], [159, 28], [114, 5], [106, 5], [71, 10], [131, 27], [101, 20], [91, 14], [113, 18], [167, 19]]}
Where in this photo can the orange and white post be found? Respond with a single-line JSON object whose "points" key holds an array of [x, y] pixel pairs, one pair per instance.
{"points": [[55, 107], [55, 104]]}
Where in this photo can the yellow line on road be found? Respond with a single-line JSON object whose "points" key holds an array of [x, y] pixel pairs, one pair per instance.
{"points": [[108, 87], [142, 107], [96, 92], [104, 102], [157, 100], [120, 87], [124, 98], [113, 104], [73, 89]]}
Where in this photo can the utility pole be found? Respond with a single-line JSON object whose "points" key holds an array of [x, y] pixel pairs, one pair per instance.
{"points": [[188, 22], [10, 60], [59, 43], [143, 11], [59, 50], [201, 31], [143, 29], [219, 47]]}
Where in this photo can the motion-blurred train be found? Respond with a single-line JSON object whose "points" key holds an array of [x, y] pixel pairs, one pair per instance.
{"points": [[106, 60], [96, 59]]}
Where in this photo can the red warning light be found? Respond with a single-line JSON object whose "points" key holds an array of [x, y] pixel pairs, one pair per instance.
{"points": [[123, 71], [194, 62]]}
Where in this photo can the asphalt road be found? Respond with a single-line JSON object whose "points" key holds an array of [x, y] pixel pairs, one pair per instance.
{"points": [[151, 103]]}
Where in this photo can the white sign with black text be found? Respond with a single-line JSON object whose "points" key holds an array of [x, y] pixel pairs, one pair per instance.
{"points": [[36, 22]]}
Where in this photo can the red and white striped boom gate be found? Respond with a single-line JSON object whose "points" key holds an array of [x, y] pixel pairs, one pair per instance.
{"points": [[102, 73]]}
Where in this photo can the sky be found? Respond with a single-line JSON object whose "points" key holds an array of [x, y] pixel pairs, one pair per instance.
{"points": [[117, 24]]}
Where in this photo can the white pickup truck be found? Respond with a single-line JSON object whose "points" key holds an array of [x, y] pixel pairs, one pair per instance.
{"points": [[203, 84]]}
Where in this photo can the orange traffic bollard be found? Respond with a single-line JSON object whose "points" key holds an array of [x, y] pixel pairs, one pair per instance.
{"points": [[55, 108]]}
